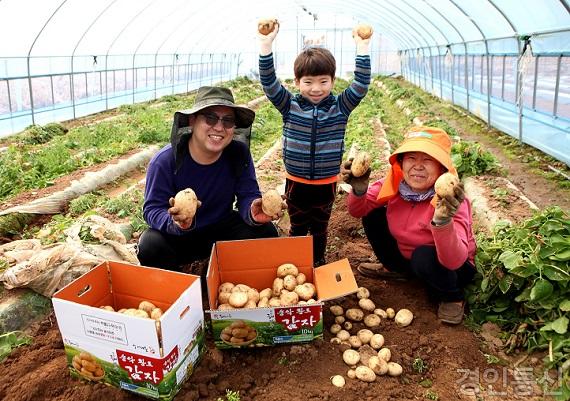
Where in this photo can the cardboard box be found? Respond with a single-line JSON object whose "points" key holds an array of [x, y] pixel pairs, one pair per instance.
{"points": [[148, 357], [254, 262]]}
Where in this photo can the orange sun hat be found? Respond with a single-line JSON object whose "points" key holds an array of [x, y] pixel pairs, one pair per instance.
{"points": [[429, 140]]}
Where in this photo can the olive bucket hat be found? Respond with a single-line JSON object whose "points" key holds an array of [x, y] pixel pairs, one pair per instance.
{"points": [[209, 96]]}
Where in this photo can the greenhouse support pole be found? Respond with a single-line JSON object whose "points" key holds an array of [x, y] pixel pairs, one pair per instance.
{"points": [[188, 74], [488, 84], [440, 77], [452, 78], [557, 87], [518, 87], [134, 76], [9, 96], [466, 76], [155, 74], [535, 84]]}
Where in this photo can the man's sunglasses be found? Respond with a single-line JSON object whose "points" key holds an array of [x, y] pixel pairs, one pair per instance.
{"points": [[212, 120]]}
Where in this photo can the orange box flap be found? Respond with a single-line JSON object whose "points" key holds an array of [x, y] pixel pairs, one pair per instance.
{"points": [[335, 280], [90, 289]]}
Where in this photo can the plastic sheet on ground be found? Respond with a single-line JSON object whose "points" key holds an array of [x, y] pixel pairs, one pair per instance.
{"points": [[45, 269]]}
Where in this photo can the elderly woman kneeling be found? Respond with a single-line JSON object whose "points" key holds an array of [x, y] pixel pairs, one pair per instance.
{"points": [[413, 232]]}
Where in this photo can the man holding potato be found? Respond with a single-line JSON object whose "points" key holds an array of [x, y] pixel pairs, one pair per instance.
{"points": [[193, 182], [418, 225]]}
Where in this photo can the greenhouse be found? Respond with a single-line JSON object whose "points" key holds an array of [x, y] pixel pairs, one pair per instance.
{"points": [[304, 200]]}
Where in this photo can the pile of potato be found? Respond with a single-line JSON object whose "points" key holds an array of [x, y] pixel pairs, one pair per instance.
{"points": [[238, 333], [289, 288], [87, 366], [146, 309], [366, 354]]}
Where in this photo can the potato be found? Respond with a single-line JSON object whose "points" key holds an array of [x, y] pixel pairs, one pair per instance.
{"points": [[362, 293], [377, 341], [266, 293], [241, 288], [263, 302], [367, 304], [360, 164], [351, 374], [224, 297], [156, 313], [364, 31], [335, 340], [372, 320], [336, 310], [301, 278], [404, 317], [394, 369], [274, 302], [289, 282], [253, 295], [378, 365], [238, 299], [107, 307], [390, 313], [277, 286], [354, 342], [335, 328], [355, 315], [271, 202], [305, 291], [381, 312], [266, 26], [338, 381], [347, 326], [339, 319], [288, 298], [147, 306], [445, 185], [187, 202], [226, 287], [365, 374], [250, 304], [287, 268], [351, 357], [365, 335], [225, 307], [385, 354], [343, 335]]}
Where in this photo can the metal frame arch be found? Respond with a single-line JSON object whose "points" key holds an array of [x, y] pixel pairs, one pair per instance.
{"points": [[500, 10], [143, 9], [423, 16], [416, 22], [72, 89], [30, 52]]}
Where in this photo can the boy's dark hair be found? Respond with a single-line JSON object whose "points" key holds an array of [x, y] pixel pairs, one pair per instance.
{"points": [[314, 61]]}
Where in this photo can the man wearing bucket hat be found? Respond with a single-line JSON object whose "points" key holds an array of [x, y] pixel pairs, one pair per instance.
{"points": [[203, 156], [412, 232]]}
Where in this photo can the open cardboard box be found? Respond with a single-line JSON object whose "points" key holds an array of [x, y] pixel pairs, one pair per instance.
{"points": [[254, 262], [148, 357]]}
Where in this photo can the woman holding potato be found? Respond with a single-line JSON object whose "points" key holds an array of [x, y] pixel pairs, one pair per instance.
{"points": [[414, 230], [193, 182]]}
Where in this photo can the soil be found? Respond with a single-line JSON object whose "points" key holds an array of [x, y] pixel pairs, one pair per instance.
{"points": [[455, 360]]}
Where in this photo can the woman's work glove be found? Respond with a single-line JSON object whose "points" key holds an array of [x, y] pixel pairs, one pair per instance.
{"points": [[359, 184], [447, 206]]}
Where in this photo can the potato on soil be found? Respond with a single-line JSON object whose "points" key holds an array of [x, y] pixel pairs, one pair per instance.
{"points": [[390, 313], [266, 26], [385, 354], [394, 369], [404, 317], [367, 304], [271, 202], [365, 374], [336, 310], [305, 291], [377, 341], [378, 365], [355, 315], [445, 185], [354, 342], [343, 335], [289, 282], [338, 381], [187, 202], [362, 293], [364, 31], [372, 320], [360, 164], [365, 335], [351, 357]]}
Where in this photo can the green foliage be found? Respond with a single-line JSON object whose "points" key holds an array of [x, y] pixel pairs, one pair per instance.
{"points": [[419, 366], [11, 340], [37, 134], [83, 203], [230, 396], [431, 395], [470, 159], [523, 283], [129, 205], [267, 128]]}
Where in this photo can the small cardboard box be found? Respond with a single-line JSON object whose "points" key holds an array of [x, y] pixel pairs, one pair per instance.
{"points": [[148, 357], [254, 263]]}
